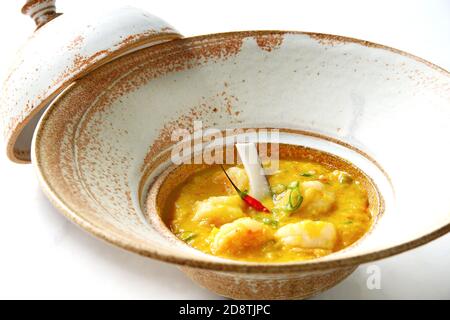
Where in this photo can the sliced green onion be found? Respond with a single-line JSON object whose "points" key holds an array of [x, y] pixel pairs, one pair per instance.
{"points": [[293, 185], [347, 222], [278, 188], [295, 200], [187, 236], [345, 178], [307, 174], [278, 210], [270, 222]]}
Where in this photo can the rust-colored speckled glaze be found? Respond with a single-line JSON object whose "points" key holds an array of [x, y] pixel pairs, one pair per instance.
{"points": [[268, 286], [73, 46], [106, 140]]}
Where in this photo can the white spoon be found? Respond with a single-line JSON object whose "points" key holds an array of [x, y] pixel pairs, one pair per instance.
{"points": [[259, 186]]}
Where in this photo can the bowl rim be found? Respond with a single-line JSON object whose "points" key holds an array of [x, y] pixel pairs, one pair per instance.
{"points": [[227, 264]]}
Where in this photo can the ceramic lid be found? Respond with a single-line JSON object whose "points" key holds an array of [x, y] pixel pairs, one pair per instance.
{"points": [[63, 48]]}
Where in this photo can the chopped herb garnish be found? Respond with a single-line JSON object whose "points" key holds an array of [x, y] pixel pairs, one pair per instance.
{"points": [[345, 178], [347, 222], [187, 236], [295, 200], [278, 188], [293, 185], [267, 220], [295, 197], [306, 174]]}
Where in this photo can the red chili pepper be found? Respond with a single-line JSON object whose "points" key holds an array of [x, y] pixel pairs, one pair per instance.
{"points": [[255, 204], [252, 202]]}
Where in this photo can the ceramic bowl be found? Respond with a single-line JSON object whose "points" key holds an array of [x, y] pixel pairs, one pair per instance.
{"points": [[106, 140]]}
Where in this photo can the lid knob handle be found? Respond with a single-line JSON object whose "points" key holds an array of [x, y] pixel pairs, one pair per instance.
{"points": [[41, 11]]}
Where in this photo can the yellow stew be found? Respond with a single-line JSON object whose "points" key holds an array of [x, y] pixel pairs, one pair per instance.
{"points": [[314, 211]]}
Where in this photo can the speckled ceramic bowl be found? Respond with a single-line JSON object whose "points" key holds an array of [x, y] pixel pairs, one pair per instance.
{"points": [[106, 139]]}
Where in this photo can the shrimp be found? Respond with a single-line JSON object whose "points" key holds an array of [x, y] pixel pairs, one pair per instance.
{"points": [[308, 234], [219, 210], [240, 236], [238, 176], [316, 199]]}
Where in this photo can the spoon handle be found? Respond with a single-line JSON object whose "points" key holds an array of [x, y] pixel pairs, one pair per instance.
{"points": [[259, 186]]}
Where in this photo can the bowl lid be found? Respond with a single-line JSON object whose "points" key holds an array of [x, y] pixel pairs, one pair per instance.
{"points": [[64, 48]]}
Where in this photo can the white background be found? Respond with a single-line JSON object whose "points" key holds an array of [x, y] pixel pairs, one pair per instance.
{"points": [[42, 255]]}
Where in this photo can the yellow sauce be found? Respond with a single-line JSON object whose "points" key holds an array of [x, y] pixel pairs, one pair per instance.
{"points": [[206, 213]]}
